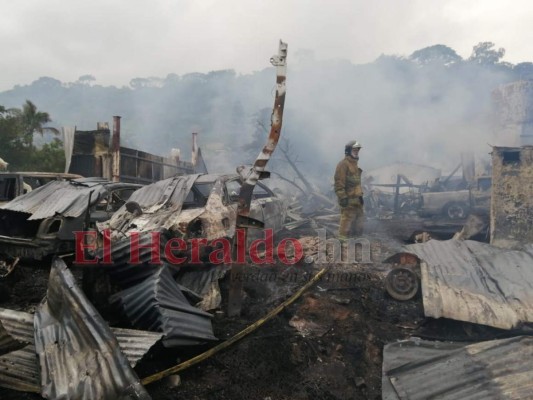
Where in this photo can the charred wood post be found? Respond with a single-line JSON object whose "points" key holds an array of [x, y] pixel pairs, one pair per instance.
{"points": [[257, 171]]}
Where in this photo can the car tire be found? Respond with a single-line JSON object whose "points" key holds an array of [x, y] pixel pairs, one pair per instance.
{"points": [[402, 284], [456, 210]]}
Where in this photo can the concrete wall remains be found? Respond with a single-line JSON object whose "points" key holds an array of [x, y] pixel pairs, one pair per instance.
{"points": [[511, 214]]}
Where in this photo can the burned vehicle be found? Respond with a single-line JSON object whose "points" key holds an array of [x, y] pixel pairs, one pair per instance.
{"points": [[196, 206], [42, 222], [457, 204], [157, 283], [14, 184]]}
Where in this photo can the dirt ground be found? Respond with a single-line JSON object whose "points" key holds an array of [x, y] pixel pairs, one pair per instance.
{"points": [[327, 345]]}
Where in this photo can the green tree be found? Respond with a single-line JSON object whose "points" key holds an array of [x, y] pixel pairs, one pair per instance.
{"points": [[436, 54], [17, 127], [484, 54], [33, 121]]}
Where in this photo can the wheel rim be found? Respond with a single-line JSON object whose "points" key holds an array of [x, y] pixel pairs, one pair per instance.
{"points": [[402, 284]]}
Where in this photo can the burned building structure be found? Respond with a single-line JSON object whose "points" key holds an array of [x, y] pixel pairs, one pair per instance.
{"points": [[511, 216], [99, 153]]}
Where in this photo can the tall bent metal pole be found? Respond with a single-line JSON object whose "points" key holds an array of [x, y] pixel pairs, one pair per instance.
{"points": [[250, 176]]}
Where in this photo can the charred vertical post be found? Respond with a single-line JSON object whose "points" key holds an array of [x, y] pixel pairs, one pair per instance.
{"points": [[194, 156], [115, 150], [397, 195], [250, 176]]}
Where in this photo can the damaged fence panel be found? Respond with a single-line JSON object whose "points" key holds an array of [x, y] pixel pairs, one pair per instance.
{"points": [[78, 354], [476, 282], [418, 369]]}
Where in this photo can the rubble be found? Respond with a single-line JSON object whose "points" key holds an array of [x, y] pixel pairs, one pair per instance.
{"points": [[70, 333], [43, 222], [420, 369], [296, 340], [475, 282], [79, 357]]}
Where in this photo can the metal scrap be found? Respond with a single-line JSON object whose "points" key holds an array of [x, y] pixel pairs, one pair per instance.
{"points": [[8, 343], [19, 370], [67, 198], [158, 304], [79, 356], [418, 369], [476, 282]]}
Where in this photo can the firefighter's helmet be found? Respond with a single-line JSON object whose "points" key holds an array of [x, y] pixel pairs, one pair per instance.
{"points": [[352, 144]]}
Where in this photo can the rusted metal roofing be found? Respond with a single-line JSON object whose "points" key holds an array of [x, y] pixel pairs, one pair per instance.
{"points": [[66, 198], [158, 304], [79, 356], [19, 370], [476, 282], [494, 370]]}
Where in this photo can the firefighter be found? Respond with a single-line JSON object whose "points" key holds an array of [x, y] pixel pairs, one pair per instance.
{"points": [[349, 192]]}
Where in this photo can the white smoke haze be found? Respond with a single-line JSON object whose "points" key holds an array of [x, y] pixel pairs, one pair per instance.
{"points": [[200, 67], [399, 111]]}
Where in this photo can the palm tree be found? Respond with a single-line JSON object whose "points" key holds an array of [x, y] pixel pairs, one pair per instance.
{"points": [[33, 121]]}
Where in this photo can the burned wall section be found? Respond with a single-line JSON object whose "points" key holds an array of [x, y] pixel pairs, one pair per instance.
{"points": [[514, 113], [92, 155], [511, 214]]}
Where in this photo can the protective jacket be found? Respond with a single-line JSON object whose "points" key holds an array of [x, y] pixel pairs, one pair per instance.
{"points": [[348, 182]]}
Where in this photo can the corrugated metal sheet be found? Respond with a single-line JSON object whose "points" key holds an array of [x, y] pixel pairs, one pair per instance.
{"points": [[132, 342], [78, 354], [18, 324], [158, 304], [170, 191], [8, 343], [200, 278], [19, 370], [65, 198], [499, 370], [476, 282]]}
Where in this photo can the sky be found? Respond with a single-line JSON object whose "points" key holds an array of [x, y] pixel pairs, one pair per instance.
{"points": [[118, 40]]}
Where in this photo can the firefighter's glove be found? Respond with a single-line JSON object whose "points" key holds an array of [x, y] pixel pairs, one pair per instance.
{"points": [[343, 202]]}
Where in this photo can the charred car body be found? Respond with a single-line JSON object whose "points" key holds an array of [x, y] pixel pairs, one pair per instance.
{"points": [[457, 204], [14, 184], [43, 221], [195, 206]]}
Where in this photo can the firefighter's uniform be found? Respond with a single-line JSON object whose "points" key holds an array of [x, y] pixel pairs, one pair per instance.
{"points": [[350, 194]]}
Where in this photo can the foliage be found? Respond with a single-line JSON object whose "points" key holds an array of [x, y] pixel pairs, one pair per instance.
{"points": [[436, 54], [17, 127], [484, 54]]}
